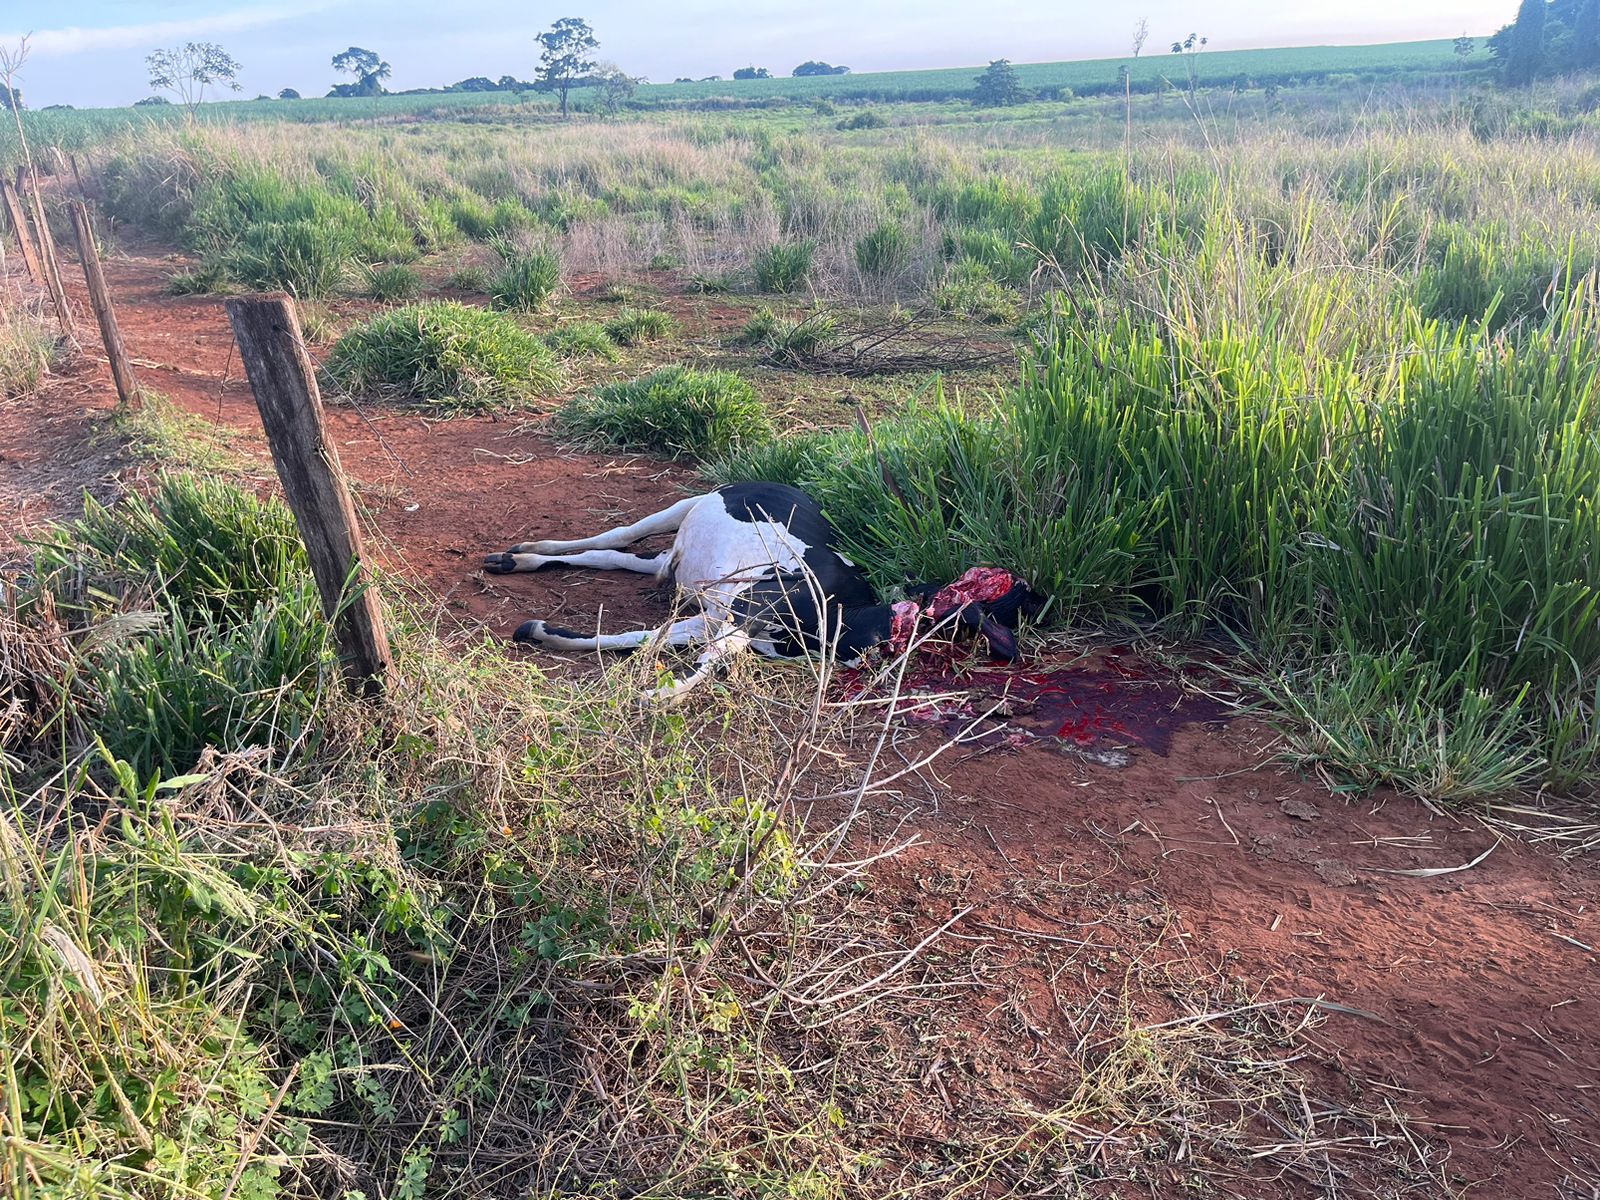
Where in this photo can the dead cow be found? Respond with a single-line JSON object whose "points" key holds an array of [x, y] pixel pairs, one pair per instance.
{"points": [[758, 560]]}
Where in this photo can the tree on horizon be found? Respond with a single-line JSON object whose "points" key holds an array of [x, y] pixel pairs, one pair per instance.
{"points": [[370, 72], [564, 57], [187, 70]]}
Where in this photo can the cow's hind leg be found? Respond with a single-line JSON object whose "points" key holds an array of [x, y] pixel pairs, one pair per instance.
{"points": [[665, 521], [679, 633], [599, 560]]}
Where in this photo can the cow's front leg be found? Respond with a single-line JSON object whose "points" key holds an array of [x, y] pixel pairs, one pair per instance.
{"points": [[679, 633], [597, 560], [724, 646]]}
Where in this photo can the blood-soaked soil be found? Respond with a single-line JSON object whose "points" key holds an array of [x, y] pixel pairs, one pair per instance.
{"points": [[1109, 819]]}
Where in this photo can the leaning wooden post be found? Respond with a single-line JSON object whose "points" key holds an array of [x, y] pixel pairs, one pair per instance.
{"points": [[284, 381], [47, 252], [19, 226], [100, 301]]}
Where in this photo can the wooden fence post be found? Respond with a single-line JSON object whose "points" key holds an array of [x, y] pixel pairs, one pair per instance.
{"points": [[71, 160], [29, 183], [100, 301], [19, 226], [284, 381]]}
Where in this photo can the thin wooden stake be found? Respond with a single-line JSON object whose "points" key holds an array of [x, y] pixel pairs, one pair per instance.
{"points": [[71, 160], [19, 226], [284, 381], [100, 301], [47, 252]]}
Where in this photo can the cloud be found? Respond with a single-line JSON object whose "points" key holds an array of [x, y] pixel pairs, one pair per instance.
{"points": [[59, 43]]}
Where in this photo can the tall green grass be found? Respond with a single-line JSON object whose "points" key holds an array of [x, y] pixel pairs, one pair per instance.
{"points": [[784, 268], [203, 624], [1437, 508], [27, 352], [204, 546], [525, 279]]}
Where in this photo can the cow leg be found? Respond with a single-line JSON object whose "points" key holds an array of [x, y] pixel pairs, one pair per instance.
{"points": [[679, 633], [665, 521], [599, 560], [723, 647]]}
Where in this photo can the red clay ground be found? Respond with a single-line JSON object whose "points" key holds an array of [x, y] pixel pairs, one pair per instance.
{"points": [[1482, 982]]}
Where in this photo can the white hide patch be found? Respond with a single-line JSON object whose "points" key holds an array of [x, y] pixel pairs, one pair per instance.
{"points": [[716, 556]]}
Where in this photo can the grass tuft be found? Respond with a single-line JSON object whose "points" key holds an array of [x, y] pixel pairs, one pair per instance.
{"points": [[675, 411], [392, 281], [161, 431], [305, 258], [637, 326], [582, 339], [526, 278], [884, 251], [27, 352], [444, 355], [784, 268]]}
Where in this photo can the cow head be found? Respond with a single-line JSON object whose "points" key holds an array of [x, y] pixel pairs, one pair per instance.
{"points": [[986, 601]]}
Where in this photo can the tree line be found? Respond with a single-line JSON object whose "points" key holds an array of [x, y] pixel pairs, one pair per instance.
{"points": [[1548, 37], [186, 72]]}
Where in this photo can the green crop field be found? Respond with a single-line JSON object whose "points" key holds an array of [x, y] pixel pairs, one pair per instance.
{"points": [[1399, 61], [1402, 59]]}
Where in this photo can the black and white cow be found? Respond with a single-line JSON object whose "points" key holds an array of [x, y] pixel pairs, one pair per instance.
{"points": [[758, 559]]}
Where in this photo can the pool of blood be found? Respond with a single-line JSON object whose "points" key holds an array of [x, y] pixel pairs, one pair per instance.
{"points": [[1110, 700]]}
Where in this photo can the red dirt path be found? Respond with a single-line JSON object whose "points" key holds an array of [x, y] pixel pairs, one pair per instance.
{"points": [[1484, 979]]}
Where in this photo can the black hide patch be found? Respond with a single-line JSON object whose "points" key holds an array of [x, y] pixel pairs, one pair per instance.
{"points": [[843, 584]]}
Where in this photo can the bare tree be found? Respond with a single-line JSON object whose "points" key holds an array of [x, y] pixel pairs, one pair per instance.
{"points": [[1141, 32], [187, 70]]}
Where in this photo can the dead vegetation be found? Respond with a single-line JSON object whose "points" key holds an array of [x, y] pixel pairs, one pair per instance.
{"points": [[865, 343]]}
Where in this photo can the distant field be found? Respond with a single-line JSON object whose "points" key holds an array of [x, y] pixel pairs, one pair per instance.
{"points": [[1090, 75], [71, 128]]}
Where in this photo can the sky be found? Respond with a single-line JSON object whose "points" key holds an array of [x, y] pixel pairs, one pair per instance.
{"points": [[91, 52]]}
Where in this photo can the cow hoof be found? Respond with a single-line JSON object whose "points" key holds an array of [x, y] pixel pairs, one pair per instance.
{"points": [[500, 564], [529, 631]]}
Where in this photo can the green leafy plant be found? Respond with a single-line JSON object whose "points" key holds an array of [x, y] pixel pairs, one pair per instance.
{"points": [[582, 339], [207, 548], [305, 258], [525, 279], [884, 251]]}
